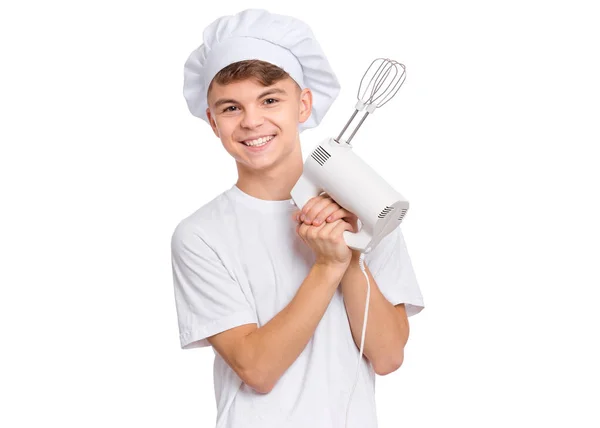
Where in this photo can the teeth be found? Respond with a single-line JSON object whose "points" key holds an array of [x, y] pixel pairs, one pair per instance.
{"points": [[259, 141]]}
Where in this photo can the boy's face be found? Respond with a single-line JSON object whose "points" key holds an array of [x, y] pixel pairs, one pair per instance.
{"points": [[246, 110]]}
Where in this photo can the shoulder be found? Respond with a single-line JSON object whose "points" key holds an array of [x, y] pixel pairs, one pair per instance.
{"points": [[203, 224]]}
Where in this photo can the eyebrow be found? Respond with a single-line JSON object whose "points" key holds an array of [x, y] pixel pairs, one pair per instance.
{"points": [[267, 92]]}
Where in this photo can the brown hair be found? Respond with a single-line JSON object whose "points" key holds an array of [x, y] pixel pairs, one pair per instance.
{"points": [[263, 72]]}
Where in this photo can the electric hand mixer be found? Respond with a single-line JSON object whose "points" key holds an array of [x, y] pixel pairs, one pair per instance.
{"points": [[334, 168]]}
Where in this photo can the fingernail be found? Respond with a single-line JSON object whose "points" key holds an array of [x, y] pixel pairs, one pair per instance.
{"points": [[302, 217], [329, 218]]}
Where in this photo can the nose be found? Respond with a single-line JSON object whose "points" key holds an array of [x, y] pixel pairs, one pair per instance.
{"points": [[252, 118]]}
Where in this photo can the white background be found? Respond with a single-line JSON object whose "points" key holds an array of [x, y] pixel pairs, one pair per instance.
{"points": [[493, 139]]}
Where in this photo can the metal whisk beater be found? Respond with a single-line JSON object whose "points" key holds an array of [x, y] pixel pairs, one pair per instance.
{"points": [[382, 84]]}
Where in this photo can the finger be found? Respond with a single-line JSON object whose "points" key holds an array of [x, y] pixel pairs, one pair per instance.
{"points": [[339, 229], [317, 208], [309, 206], [296, 215], [326, 213], [302, 230], [326, 229], [338, 214], [314, 232]]}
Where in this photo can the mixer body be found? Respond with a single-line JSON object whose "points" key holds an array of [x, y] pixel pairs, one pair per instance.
{"points": [[334, 168]]}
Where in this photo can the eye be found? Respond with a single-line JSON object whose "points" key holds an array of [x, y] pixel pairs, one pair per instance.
{"points": [[272, 99], [227, 109]]}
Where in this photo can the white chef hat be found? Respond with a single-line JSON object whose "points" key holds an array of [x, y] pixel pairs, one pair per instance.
{"points": [[258, 34]]}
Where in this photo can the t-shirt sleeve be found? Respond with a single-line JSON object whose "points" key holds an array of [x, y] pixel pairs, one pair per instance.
{"points": [[208, 300], [393, 272]]}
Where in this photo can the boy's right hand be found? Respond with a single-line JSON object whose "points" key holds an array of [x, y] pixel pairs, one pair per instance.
{"points": [[327, 242]]}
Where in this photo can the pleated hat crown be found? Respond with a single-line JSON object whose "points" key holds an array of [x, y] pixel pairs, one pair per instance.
{"points": [[281, 40]]}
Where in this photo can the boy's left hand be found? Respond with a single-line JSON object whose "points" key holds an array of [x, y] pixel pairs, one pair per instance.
{"points": [[324, 209]]}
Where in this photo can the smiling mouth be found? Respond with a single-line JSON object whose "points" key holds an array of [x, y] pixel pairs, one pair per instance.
{"points": [[259, 141]]}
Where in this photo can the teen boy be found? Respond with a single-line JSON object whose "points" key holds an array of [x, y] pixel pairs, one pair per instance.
{"points": [[280, 298]]}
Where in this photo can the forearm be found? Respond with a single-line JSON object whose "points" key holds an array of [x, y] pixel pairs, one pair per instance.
{"points": [[277, 344], [386, 333]]}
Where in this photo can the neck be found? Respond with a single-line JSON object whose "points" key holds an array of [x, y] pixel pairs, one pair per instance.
{"points": [[276, 182]]}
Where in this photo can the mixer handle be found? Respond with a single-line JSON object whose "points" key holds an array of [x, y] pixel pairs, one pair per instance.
{"points": [[304, 190], [358, 241]]}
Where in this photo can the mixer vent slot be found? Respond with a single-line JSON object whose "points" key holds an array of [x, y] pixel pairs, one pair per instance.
{"points": [[385, 212], [320, 155], [402, 215]]}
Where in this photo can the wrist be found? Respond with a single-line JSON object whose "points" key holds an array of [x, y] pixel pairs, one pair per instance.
{"points": [[332, 270], [355, 255]]}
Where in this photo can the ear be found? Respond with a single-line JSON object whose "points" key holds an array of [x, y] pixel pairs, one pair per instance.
{"points": [[305, 105], [213, 123]]}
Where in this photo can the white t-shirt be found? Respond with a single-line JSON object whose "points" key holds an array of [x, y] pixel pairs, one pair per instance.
{"points": [[237, 260]]}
